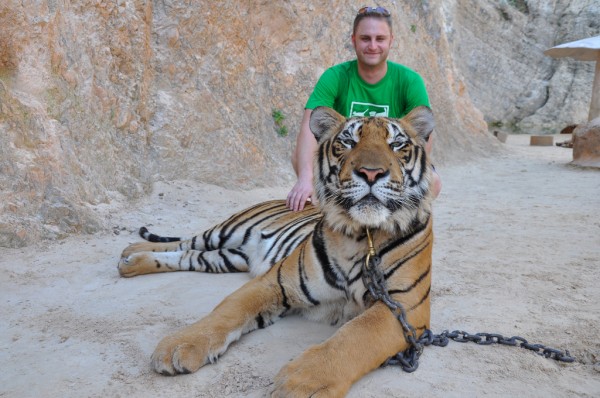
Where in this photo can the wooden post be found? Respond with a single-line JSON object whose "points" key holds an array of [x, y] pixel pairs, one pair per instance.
{"points": [[595, 104]]}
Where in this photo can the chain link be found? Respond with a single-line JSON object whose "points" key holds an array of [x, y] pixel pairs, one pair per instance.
{"points": [[374, 280], [494, 338]]}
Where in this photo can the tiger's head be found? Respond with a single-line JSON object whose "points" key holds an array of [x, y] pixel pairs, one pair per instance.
{"points": [[372, 171]]}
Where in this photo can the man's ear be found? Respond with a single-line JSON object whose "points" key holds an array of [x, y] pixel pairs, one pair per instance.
{"points": [[324, 120], [421, 120]]}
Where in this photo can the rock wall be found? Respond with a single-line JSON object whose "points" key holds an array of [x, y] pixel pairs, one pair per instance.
{"points": [[99, 100], [498, 47]]}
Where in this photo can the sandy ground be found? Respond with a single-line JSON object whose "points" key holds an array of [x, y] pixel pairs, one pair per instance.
{"points": [[517, 252]]}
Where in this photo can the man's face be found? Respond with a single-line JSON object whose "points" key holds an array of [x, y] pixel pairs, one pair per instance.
{"points": [[372, 41]]}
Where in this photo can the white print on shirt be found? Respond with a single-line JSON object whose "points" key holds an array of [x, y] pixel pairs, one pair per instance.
{"points": [[369, 110]]}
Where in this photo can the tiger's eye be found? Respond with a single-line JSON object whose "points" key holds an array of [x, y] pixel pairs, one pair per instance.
{"points": [[396, 145], [349, 143]]}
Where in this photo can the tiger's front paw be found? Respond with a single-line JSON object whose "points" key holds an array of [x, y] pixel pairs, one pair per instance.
{"points": [[178, 355], [311, 375]]}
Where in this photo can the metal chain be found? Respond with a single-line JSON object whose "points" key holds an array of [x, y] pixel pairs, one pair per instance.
{"points": [[408, 360]]}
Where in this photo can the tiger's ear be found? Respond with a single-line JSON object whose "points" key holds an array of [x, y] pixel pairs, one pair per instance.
{"points": [[421, 120], [323, 120]]}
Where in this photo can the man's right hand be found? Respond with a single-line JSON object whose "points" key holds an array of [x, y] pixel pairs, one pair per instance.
{"points": [[300, 193]]}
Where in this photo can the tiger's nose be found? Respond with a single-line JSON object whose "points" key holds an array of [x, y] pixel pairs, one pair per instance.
{"points": [[371, 175]]}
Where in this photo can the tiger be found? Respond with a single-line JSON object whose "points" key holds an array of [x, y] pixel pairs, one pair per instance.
{"points": [[372, 185]]}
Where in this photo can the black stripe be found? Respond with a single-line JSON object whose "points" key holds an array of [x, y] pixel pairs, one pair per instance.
{"points": [[333, 173], [422, 299], [228, 228], [223, 236], [298, 223], [284, 301], [206, 236], [322, 150], [260, 321], [191, 268], [294, 229], [390, 271], [251, 227], [423, 161], [240, 253], [328, 271], [150, 237], [230, 267], [415, 283], [359, 260], [291, 247], [203, 262], [302, 275], [416, 228]]}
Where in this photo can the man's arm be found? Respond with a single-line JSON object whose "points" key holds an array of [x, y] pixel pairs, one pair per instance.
{"points": [[302, 160], [436, 182]]}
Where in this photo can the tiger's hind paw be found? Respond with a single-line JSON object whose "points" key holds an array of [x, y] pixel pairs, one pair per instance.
{"points": [[136, 248], [137, 264]]}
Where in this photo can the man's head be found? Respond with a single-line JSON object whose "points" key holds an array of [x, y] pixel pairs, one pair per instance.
{"points": [[379, 13], [372, 35]]}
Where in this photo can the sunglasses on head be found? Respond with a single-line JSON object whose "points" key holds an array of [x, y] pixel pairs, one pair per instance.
{"points": [[374, 10]]}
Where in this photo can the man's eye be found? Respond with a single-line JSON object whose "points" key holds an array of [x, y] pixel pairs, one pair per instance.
{"points": [[397, 145]]}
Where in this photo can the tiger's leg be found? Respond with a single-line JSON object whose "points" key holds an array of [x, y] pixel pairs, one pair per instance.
{"points": [[139, 247], [209, 240], [213, 261], [329, 369], [255, 305], [232, 233]]}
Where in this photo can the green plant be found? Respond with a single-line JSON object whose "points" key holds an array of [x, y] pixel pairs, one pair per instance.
{"points": [[520, 5], [413, 28], [278, 118]]}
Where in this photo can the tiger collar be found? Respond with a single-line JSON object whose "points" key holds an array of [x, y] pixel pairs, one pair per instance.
{"points": [[371, 252]]}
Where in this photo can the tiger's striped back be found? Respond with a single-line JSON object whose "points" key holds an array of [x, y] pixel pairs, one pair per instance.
{"points": [[264, 233]]}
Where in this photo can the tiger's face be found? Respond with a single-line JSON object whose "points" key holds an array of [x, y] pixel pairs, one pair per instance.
{"points": [[372, 172]]}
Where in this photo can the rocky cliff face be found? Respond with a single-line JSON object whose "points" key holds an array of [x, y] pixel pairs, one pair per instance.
{"points": [[498, 47], [98, 101]]}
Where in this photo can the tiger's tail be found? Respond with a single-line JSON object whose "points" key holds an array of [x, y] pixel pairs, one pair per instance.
{"points": [[150, 237]]}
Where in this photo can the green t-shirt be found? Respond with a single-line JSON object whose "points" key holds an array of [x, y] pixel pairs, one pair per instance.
{"points": [[341, 88]]}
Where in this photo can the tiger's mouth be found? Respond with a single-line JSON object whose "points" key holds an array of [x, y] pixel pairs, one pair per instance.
{"points": [[370, 212], [372, 203], [368, 200], [373, 196]]}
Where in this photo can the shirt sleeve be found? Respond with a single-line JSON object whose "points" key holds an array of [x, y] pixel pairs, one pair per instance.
{"points": [[415, 93], [325, 91]]}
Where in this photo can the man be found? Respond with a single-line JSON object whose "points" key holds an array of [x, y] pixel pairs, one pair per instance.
{"points": [[370, 85]]}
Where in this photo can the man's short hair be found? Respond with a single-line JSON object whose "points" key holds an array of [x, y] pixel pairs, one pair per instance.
{"points": [[372, 12]]}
